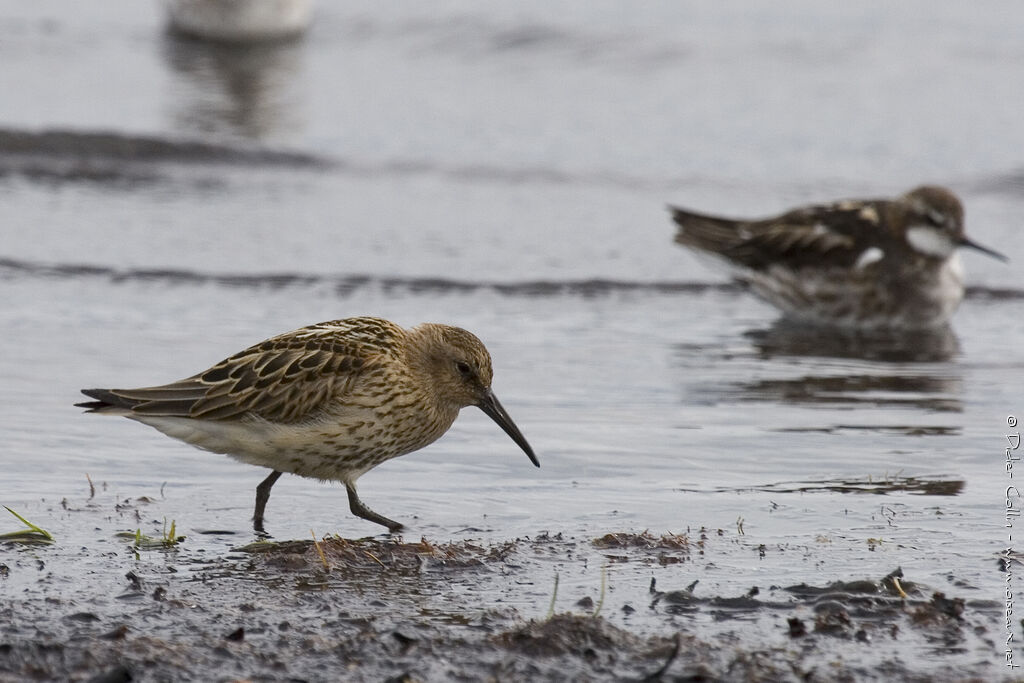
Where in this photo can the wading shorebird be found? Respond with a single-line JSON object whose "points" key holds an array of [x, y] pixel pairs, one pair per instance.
{"points": [[328, 401], [877, 263]]}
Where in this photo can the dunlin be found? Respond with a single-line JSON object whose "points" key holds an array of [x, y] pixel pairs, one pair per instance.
{"points": [[878, 263], [329, 401]]}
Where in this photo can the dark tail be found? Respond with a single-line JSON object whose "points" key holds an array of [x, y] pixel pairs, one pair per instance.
{"points": [[174, 399], [106, 401], [708, 233]]}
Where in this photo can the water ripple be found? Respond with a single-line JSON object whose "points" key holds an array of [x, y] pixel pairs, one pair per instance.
{"points": [[11, 269]]}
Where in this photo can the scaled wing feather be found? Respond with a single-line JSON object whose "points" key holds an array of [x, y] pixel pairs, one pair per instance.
{"points": [[277, 383]]}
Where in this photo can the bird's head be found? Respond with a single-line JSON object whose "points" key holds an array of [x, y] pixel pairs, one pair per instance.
{"points": [[459, 369], [934, 223]]}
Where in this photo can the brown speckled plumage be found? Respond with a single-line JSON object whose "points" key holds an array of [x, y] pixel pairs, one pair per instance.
{"points": [[329, 401], [858, 263]]}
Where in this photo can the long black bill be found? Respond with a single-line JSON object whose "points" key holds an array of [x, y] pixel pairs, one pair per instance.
{"points": [[490, 405], [964, 242]]}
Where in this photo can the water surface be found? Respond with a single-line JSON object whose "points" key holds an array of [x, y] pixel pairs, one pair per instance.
{"points": [[506, 170]]}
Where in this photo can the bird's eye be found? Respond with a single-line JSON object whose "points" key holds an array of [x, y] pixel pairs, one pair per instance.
{"points": [[937, 218], [463, 368]]}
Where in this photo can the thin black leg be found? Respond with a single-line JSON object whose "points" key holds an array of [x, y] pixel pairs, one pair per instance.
{"points": [[360, 510], [262, 496]]}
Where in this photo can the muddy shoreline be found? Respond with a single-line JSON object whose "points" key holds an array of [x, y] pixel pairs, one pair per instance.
{"points": [[160, 607]]}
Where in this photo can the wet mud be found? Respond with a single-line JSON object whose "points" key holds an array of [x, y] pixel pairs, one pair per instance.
{"points": [[130, 598]]}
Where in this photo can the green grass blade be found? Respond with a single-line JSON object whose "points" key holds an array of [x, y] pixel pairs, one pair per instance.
{"points": [[26, 533]]}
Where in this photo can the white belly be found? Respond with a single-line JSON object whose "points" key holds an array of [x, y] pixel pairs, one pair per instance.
{"points": [[328, 449], [864, 297]]}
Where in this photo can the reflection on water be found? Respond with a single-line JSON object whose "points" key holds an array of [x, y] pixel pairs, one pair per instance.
{"points": [[906, 430], [900, 372], [796, 365], [247, 91], [925, 486], [784, 338], [931, 393]]}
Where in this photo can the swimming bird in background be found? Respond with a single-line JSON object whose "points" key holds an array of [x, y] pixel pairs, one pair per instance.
{"points": [[877, 263], [240, 21], [328, 401]]}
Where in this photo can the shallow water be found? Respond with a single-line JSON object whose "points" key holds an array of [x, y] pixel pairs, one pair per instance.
{"points": [[506, 170]]}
